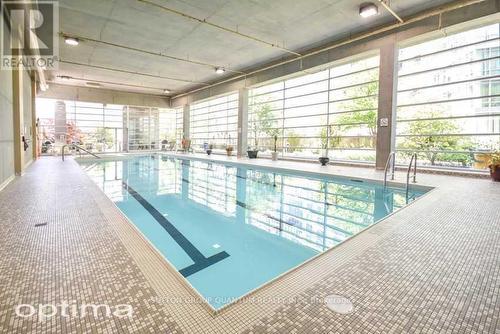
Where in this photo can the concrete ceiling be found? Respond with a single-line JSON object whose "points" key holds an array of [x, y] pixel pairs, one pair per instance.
{"points": [[296, 25]]}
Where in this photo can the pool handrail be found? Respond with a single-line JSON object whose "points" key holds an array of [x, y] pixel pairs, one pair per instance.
{"points": [[391, 158], [413, 161], [78, 147]]}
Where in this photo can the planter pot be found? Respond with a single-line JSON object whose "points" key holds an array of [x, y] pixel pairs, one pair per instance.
{"points": [[274, 156], [495, 172], [324, 161], [209, 152], [252, 154], [229, 153]]}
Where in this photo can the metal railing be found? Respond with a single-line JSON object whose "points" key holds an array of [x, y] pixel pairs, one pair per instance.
{"points": [[391, 163], [413, 161], [79, 148]]}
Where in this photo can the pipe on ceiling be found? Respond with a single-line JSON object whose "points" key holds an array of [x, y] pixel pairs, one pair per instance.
{"points": [[132, 72], [204, 21], [419, 17], [106, 82], [386, 5], [159, 54]]}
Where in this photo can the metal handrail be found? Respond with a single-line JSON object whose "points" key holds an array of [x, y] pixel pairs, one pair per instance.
{"points": [[412, 161], [391, 158], [78, 147]]}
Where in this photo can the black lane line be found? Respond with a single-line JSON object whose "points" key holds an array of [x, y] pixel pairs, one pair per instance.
{"points": [[200, 261]]}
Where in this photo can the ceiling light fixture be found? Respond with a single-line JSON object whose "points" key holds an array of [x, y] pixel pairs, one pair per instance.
{"points": [[220, 70], [71, 41], [368, 9], [167, 91]]}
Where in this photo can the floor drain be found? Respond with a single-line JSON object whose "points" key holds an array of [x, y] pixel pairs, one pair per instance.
{"points": [[41, 224], [339, 304]]}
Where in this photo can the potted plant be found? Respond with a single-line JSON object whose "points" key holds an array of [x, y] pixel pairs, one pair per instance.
{"points": [[324, 159], [186, 144], [210, 148], [274, 155], [229, 150], [252, 152], [495, 167]]}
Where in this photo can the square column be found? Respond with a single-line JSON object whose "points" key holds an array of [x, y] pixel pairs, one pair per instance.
{"points": [[185, 121], [17, 99], [387, 103], [242, 122]]}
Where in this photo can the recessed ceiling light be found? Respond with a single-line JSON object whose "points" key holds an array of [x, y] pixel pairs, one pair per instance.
{"points": [[71, 41], [368, 9], [93, 84], [220, 70], [166, 91]]}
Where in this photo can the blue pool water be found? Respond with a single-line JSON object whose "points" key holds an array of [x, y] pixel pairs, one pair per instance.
{"points": [[228, 229]]}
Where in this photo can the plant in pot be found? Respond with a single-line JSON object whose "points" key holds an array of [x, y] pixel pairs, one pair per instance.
{"points": [[186, 144], [210, 148], [229, 150], [274, 154], [323, 158], [252, 152], [495, 167]]}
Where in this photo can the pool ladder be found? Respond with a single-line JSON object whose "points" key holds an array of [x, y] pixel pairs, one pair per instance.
{"points": [[391, 164], [79, 148]]}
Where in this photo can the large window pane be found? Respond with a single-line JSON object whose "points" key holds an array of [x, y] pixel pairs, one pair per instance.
{"points": [[169, 132], [334, 108], [449, 100], [96, 127], [100, 127], [214, 122], [142, 129]]}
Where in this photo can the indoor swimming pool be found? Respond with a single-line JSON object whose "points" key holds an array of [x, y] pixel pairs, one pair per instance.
{"points": [[230, 229]]}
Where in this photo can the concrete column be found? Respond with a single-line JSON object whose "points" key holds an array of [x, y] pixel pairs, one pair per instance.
{"points": [[17, 102], [388, 83], [185, 121], [242, 122]]}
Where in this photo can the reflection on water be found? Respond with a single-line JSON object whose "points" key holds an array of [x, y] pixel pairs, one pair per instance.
{"points": [[317, 213]]}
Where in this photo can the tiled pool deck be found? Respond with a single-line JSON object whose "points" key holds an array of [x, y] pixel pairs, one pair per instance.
{"points": [[433, 267]]}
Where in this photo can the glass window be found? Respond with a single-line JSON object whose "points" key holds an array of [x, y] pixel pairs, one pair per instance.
{"points": [[96, 127], [100, 127], [142, 128], [334, 109], [449, 100], [170, 128], [214, 122]]}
